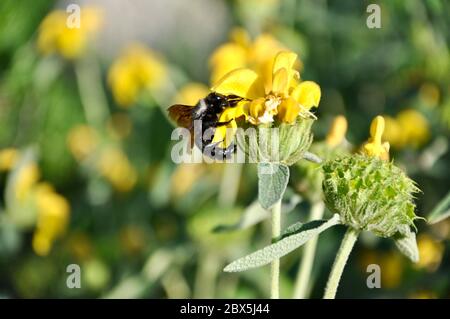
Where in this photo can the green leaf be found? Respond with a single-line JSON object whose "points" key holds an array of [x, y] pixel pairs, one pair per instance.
{"points": [[272, 182], [294, 236], [255, 214], [407, 244], [441, 211]]}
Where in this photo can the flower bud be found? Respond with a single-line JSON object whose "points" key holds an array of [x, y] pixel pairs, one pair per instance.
{"points": [[370, 194], [284, 143]]}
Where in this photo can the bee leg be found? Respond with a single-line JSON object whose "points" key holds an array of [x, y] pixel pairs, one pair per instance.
{"points": [[218, 153], [222, 123]]}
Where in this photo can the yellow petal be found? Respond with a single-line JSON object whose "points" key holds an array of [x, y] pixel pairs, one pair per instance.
{"points": [[377, 129], [227, 115], [337, 131], [241, 109], [240, 36], [241, 82], [227, 57], [224, 134], [374, 147], [8, 158], [256, 109], [288, 110], [307, 93], [284, 60], [191, 93], [280, 82]]}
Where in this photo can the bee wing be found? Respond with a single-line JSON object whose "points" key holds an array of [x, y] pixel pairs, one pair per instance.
{"points": [[181, 114]]}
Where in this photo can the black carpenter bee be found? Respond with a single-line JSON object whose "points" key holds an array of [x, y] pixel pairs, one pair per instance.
{"points": [[207, 110]]}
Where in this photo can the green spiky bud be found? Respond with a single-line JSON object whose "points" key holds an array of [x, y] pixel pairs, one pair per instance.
{"points": [[370, 194], [277, 143]]}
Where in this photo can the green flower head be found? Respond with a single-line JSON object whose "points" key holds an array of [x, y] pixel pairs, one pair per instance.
{"points": [[370, 194]]}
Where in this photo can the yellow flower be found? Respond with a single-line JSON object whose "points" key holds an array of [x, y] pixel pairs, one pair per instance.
{"points": [[414, 126], [374, 146], [337, 131], [241, 52], [191, 93], [117, 169], [8, 157], [431, 252], [391, 265], [393, 132], [82, 140], [53, 216], [266, 97], [57, 36], [138, 69], [408, 128]]}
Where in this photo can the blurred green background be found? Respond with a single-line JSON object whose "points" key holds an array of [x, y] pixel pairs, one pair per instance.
{"points": [[86, 175]]}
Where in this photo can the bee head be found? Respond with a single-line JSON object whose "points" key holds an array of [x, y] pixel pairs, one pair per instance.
{"points": [[216, 101]]}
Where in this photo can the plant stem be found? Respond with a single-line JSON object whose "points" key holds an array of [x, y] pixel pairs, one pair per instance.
{"points": [[304, 274], [275, 265], [206, 276], [339, 263]]}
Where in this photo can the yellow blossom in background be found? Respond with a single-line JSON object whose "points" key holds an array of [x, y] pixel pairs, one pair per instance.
{"points": [[8, 158], [57, 35], [26, 179], [374, 146], [391, 264], [117, 169], [82, 140], [408, 129], [52, 218], [415, 127], [337, 131], [191, 93], [393, 132], [241, 52], [430, 251], [138, 69], [266, 98]]}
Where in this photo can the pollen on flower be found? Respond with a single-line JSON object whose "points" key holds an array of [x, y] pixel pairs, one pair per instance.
{"points": [[271, 109]]}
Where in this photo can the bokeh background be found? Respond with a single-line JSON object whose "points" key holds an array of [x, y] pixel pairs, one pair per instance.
{"points": [[86, 175]]}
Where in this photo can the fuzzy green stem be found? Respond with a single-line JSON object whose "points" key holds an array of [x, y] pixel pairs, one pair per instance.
{"points": [[302, 283], [339, 263], [275, 265]]}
